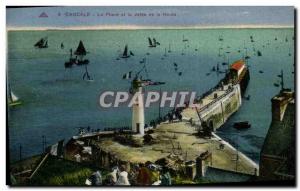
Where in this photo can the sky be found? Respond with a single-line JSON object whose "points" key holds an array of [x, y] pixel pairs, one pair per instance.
{"points": [[64, 17]]}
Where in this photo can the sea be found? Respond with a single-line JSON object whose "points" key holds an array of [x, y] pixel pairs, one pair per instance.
{"points": [[56, 101]]}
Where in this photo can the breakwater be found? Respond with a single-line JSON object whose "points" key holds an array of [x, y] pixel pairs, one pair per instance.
{"points": [[215, 108], [223, 104]]}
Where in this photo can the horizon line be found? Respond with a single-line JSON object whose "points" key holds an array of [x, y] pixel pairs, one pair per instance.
{"points": [[139, 27]]}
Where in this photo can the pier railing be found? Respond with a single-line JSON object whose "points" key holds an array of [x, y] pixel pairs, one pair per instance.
{"points": [[229, 90]]}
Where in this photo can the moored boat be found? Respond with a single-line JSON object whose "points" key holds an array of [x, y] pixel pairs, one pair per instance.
{"points": [[242, 125], [81, 52]]}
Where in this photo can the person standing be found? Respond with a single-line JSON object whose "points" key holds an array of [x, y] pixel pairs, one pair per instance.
{"points": [[166, 179]]}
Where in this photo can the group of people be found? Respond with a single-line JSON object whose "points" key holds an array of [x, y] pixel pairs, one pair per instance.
{"points": [[139, 175], [171, 116]]}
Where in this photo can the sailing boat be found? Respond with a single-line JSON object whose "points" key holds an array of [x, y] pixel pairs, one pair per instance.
{"points": [[62, 46], [276, 84], [219, 52], [71, 61], [224, 62], [151, 44], [259, 53], [165, 52], [13, 100], [42, 43], [213, 69], [143, 61], [81, 52], [184, 39], [125, 53], [220, 38], [169, 51]]}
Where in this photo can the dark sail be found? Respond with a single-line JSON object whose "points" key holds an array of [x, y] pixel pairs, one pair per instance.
{"points": [[80, 50], [259, 53], [154, 41], [150, 41], [42, 43], [125, 53]]}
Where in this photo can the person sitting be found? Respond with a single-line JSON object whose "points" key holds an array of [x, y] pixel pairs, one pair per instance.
{"points": [[165, 177], [123, 177], [144, 176], [112, 177]]}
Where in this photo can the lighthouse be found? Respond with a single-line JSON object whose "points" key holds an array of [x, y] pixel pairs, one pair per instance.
{"points": [[138, 116]]}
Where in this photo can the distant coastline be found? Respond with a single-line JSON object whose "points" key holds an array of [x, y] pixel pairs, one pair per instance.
{"points": [[135, 27]]}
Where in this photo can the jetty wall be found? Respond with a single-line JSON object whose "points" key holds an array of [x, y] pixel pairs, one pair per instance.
{"points": [[221, 108]]}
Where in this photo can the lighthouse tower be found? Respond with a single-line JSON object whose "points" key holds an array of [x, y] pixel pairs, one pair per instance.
{"points": [[138, 116]]}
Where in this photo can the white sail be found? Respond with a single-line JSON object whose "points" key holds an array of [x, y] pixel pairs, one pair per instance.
{"points": [[14, 98]]}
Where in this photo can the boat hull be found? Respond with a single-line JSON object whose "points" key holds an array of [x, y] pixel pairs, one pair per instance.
{"points": [[16, 103], [242, 125], [82, 62], [244, 81]]}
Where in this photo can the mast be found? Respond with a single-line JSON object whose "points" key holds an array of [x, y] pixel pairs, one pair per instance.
{"points": [[71, 53], [282, 82]]}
